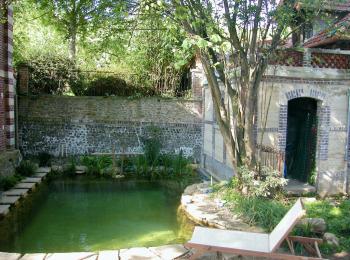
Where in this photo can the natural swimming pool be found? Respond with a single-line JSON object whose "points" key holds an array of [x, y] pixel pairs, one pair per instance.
{"points": [[91, 215]]}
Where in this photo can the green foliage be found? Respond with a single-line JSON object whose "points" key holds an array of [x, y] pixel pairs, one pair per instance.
{"points": [[26, 168], [97, 165], [112, 86], [152, 146], [8, 182], [259, 211], [267, 183], [70, 169], [51, 74], [143, 49], [44, 159], [336, 215]]}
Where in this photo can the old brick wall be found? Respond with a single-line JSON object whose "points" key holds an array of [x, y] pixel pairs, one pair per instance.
{"points": [[85, 125]]}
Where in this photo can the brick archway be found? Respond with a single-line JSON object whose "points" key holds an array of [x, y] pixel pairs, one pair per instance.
{"points": [[323, 113]]}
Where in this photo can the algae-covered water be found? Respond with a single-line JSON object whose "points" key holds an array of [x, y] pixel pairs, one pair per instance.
{"points": [[77, 215]]}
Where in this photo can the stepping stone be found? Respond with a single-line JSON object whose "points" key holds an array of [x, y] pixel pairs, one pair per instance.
{"points": [[40, 174], [4, 209], [108, 255], [169, 251], [23, 185], [32, 180], [9, 200], [72, 256], [9, 256], [43, 170], [16, 192], [39, 256], [137, 253]]}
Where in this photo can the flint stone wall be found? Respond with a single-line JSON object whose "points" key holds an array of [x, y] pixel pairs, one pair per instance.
{"points": [[84, 125]]}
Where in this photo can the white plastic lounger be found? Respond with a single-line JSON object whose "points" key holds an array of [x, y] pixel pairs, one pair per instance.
{"points": [[255, 244]]}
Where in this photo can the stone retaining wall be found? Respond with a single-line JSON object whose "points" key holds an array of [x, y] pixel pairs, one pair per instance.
{"points": [[84, 125]]}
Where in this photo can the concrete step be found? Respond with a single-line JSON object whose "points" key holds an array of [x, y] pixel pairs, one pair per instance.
{"points": [[32, 180], [9, 200], [23, 185], [16, 192], [4, 209], [43, 170], [40, 175], [297, 188]]}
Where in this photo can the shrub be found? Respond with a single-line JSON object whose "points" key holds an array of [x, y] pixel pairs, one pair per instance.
{"points": [[97, 165], [51, 74], [114, 86], [44, 159], [152, 146], [268, 183], [69, 170], [26, 168], [260, 211], [8, 182]]}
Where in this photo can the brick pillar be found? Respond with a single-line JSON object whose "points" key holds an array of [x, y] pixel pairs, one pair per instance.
{"points": [[23, 80], [307, 58], [9, 79], [197, 75]]}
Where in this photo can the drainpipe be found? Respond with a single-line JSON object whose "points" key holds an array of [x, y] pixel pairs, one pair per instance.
{"points": [[346, 190]]}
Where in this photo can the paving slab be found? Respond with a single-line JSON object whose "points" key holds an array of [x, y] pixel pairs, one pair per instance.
{"points": [[41, 174], [9, 256], [43, 170], [16, 192], [32, 180], [71, 256], [23, 185], [4, 209], [137, 253], [169, 251], [108, 255], [39, 256], [9, 200]]}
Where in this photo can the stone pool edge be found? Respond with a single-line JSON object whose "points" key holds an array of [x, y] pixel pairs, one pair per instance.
{"points": [[164, 252], [205, 210]]}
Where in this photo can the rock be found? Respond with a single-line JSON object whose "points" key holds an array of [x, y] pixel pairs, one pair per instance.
{"points": [[203, 188], [190, 190], [316, 225], [331, 239], [81, 168]]}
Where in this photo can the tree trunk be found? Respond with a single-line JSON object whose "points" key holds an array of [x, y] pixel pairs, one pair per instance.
{"points": [[73, 45]]}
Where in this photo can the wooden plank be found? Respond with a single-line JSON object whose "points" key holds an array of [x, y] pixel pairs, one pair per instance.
{"points": [[4, 209], [23, 185], [235, 251], [9, 200], [16, 192], [305, 239]]}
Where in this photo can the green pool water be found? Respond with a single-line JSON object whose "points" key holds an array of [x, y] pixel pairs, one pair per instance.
{"points": [[76, 215]]}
